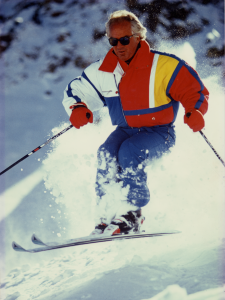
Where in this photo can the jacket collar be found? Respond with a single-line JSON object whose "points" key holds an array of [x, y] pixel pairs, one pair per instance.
{"points": [[140, 59]]}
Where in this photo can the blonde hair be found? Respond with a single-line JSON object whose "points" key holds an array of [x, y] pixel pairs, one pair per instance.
{"points": [[124, 15]]}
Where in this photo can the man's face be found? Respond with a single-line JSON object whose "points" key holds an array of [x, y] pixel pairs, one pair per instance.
{"points": [[120, 30]]}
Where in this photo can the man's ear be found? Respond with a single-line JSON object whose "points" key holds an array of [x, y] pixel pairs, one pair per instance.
{"points": [[138, 38]]}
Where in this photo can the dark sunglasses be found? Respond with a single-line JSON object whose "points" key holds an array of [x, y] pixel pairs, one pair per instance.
{"points": [[125, 40]]}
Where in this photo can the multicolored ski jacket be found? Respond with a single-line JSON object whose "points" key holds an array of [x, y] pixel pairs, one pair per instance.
{"points": [[144, 93]]}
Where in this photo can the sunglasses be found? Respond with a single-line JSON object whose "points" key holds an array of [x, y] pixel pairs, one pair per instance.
{"points": [[125, 40]]}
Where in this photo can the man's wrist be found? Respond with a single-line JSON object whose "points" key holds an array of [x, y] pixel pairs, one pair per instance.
{"points": [[81, 104]]}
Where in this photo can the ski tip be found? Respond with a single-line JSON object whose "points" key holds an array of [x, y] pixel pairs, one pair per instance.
{"points": [[36, 240], [170, 232], [17, 247], [175, 231]]}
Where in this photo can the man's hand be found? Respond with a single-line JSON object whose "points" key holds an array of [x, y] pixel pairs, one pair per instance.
{"points": [[194, 120], [80, 116]]}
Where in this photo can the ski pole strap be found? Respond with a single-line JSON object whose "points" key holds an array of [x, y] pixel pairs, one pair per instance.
{"points": [[208, 142], [36, 149]]}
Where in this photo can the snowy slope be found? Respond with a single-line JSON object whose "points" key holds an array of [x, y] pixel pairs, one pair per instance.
{"points": [[118, 273], [62, 205]]}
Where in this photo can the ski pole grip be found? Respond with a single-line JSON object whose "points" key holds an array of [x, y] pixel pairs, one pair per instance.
{"points": [[88, 115]]}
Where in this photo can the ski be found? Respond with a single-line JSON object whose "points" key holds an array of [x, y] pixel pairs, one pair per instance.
{"points": [[83, 241]]}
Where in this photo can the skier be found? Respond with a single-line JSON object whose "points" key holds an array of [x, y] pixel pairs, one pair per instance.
{"points": [[142, 89]]}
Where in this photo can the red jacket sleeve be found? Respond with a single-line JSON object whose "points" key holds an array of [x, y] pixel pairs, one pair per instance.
{"points": [[188, 89]]}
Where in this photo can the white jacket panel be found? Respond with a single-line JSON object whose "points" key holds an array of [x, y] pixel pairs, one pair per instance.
{"points": [[85, 88]]}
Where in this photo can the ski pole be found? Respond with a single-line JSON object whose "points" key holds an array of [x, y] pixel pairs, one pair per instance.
{"points": [[36, 149], [208, 142]]}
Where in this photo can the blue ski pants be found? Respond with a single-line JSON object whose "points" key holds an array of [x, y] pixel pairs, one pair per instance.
{"points": [[124, 155]]}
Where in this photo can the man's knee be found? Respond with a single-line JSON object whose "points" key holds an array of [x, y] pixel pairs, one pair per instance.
{"points": [[130, 155]]}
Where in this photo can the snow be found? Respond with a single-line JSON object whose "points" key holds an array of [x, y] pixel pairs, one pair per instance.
{"points": [[52, 192], [16, 193], [115, 274], [177, 293]]}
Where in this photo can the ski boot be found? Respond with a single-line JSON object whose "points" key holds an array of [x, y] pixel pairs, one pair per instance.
{"points": [[99, 229], [125, 224]]}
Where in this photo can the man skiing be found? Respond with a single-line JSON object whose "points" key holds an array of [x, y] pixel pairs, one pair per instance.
{"points": [[142, 89]]}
